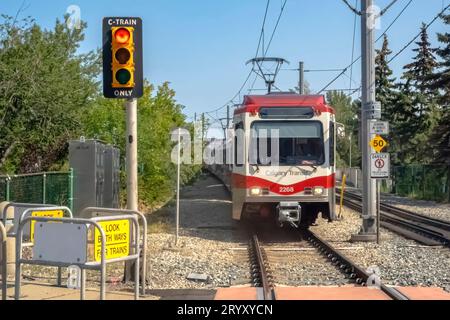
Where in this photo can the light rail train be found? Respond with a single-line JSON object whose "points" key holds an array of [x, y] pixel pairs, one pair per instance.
{"points": [[281, 159]]}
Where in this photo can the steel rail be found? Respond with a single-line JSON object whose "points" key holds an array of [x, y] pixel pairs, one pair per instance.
{"points": [[426, 230], [267, 287], [439, 223], [350, 267]]}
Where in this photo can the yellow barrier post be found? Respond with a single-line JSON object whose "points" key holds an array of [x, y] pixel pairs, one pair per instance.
{"points": [[344, 180]]}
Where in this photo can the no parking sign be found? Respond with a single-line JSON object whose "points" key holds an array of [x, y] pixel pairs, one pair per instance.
{"points": [[380, 165]]}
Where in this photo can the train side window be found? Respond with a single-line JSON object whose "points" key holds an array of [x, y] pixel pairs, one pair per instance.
{"points": [[332, 143], [239, 142]]}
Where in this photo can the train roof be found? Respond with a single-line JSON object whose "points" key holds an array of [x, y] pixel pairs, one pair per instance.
{"points": [[288, 99], [252, 103]]}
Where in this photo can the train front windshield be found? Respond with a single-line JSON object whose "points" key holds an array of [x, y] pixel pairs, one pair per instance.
{"points": [[298, 142]]}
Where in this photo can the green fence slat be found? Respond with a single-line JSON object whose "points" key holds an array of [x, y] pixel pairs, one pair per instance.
{"points": [[50, 188], [427, 182]]}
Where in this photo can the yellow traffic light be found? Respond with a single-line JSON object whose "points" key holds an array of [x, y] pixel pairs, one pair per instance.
{"points": [[123, 66]]}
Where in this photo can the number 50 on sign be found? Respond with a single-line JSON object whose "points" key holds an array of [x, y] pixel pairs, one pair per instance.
{"points": [[378, 144]]}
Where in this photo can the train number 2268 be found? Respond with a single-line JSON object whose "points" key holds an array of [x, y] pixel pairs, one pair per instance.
{"points": [[286, 189]]}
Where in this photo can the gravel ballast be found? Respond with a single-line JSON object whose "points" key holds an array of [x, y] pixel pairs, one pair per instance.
{"points": [[213, 248]]}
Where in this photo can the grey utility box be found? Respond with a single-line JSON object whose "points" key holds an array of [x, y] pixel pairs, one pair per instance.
{"points": [[112, 177], [87, 158]]}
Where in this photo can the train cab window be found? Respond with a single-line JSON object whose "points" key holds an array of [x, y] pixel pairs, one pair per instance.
{"points": [[300, 142]]}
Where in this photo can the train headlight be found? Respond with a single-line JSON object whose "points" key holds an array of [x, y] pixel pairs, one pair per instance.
{"points": [[255, 191], [318, 191]]}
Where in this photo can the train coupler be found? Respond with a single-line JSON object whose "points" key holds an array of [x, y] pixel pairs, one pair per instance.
{"points": [[289, 212]]}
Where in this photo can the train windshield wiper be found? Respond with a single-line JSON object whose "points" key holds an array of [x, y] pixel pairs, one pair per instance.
{"points": [[257, 167]]}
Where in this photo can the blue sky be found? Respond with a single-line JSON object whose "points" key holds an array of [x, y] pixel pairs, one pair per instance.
{"points": [[201, 46]]}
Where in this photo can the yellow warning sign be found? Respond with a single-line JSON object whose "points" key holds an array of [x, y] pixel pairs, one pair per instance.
{"points": [[117, 237], [378, 144], [46, 214]]}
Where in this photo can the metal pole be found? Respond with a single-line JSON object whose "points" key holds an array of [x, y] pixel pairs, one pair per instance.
{"points": [[228, 118], [378, 212], [178, 186], [44, 188], [132, 155], [83, 285], [301, 79], [8, 197], [368, 230], [350, 157], [132, 168], [203, 129], [70, 200], [3, 258]]}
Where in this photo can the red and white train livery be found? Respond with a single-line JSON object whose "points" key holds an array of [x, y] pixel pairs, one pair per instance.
{"points": [[302, 183]]}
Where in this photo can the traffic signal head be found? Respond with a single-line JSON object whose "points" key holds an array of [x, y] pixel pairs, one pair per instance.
{"points": [[123, 49], [122, 58]]}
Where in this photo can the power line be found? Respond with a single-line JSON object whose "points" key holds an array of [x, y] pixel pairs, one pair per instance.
{"points": [[276, 26], [262, 35], [387, 7], [353, 45], [261, 40], [379, 38], [356, 11], [418, 35]]}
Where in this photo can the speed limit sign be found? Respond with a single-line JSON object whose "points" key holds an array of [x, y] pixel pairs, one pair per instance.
{"points": [[378, 143]]}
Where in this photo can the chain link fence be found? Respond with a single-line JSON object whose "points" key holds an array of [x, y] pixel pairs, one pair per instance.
{"points": [[44, 188], [426, 182]]}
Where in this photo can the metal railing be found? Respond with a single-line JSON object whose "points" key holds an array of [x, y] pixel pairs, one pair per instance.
{"points": [[104, 211], [4, 258], [95, 222]]}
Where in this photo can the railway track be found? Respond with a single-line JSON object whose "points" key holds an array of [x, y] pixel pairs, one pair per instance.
{"points": [[260, 269], [423, 229], [263, 278]]}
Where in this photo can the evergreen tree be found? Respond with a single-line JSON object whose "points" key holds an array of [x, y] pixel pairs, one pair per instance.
{"points": [[419, 71], [440, 81], [385, 83], [388, 96], [418, 100]]}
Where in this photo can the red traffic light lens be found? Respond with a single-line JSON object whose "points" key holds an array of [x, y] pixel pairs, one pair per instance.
{"points": [[122, 35]]}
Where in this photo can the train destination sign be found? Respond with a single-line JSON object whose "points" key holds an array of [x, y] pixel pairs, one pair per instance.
{"points": [[380, 165], [117, 237], [378, 144], [46, 214]]}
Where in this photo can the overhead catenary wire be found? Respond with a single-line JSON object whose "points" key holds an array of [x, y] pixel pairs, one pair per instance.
{"points": [[276, 26], [358, 12], [260, 41], [418, 35], [283, 6], [378, 39], [353, 44]]}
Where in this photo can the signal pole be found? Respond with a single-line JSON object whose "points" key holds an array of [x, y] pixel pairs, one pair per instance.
{"points": [[301, 79], [368, 231], [228, 118], [132, 155], [132, 169]]}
